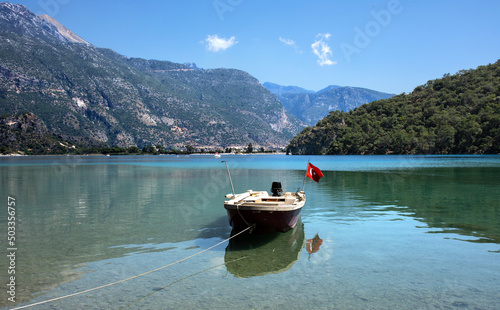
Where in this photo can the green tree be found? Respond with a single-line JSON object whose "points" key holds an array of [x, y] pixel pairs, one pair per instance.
{"points": [[160, 149], [249, 148], [133, 150]]}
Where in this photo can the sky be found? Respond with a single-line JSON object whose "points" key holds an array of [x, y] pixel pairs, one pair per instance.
{"points": [[390, 45]]}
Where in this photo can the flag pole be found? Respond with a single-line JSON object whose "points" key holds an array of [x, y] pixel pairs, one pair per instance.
{"points": [[229, 175], [305, 176]]}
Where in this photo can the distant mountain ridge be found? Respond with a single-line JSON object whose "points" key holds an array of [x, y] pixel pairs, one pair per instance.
{"points": [[310, 106], [280, 89], [85, 94]]}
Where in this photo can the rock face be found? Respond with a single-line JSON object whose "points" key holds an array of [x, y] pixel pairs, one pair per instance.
{"points": [[65, 32], [18, 19], [85, 93]]}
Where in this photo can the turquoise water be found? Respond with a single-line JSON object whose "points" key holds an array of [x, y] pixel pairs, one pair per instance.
{"points": [[400, 232]]}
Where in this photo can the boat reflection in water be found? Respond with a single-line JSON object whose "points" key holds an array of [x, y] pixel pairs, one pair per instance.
{"points": [[250, 255]]}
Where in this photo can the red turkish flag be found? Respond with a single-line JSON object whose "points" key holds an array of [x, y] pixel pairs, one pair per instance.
{"points": [[313, 172]]}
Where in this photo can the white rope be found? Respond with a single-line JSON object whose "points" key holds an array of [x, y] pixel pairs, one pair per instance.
{"points": [[134, 277]]}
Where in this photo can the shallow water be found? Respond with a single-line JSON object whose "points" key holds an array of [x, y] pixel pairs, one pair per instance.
{"points": [[376, 232]]}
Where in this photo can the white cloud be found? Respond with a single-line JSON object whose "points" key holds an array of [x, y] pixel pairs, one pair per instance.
{"points": [[289, 42], [322, 50], [216, 44]]}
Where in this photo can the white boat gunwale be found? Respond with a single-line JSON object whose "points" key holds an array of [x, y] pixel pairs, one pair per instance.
{"points": [[262, 201]]}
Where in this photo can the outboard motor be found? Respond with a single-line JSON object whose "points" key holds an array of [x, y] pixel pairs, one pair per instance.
{"points": [[276, 189]]}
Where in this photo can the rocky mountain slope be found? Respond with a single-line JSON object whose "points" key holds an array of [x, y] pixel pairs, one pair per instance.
{"points": [[310, 106], [83, 93]]}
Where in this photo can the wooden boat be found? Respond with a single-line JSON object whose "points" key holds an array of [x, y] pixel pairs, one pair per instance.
{"points": [[267, 213], [264, 212]]}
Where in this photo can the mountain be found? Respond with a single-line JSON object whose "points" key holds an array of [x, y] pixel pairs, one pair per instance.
{"points": [[279, 89], [85, 94], [310, 107], [457, 114], [192, 65]]}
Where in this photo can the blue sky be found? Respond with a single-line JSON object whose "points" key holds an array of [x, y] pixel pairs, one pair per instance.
{"points": [[389, 45]]}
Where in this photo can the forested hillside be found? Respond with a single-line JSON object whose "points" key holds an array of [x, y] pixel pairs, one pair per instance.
{"points": [[457, 114]]}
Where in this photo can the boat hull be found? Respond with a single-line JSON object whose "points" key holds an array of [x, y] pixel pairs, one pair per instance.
{"points": [[263, 212], [264, 221]]}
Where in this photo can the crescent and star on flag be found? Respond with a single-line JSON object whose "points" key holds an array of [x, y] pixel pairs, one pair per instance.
{"points": [[314, 172]]}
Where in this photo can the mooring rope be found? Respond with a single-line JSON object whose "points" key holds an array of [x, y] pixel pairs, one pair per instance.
{"points": [[241, 215], [192, 275], [134, 277]]}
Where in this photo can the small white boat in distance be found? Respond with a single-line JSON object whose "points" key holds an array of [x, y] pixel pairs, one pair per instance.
{"points": [[217, 155]]}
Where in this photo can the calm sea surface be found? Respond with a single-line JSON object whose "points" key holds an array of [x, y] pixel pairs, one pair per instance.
{"points": [[377, 232]]}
